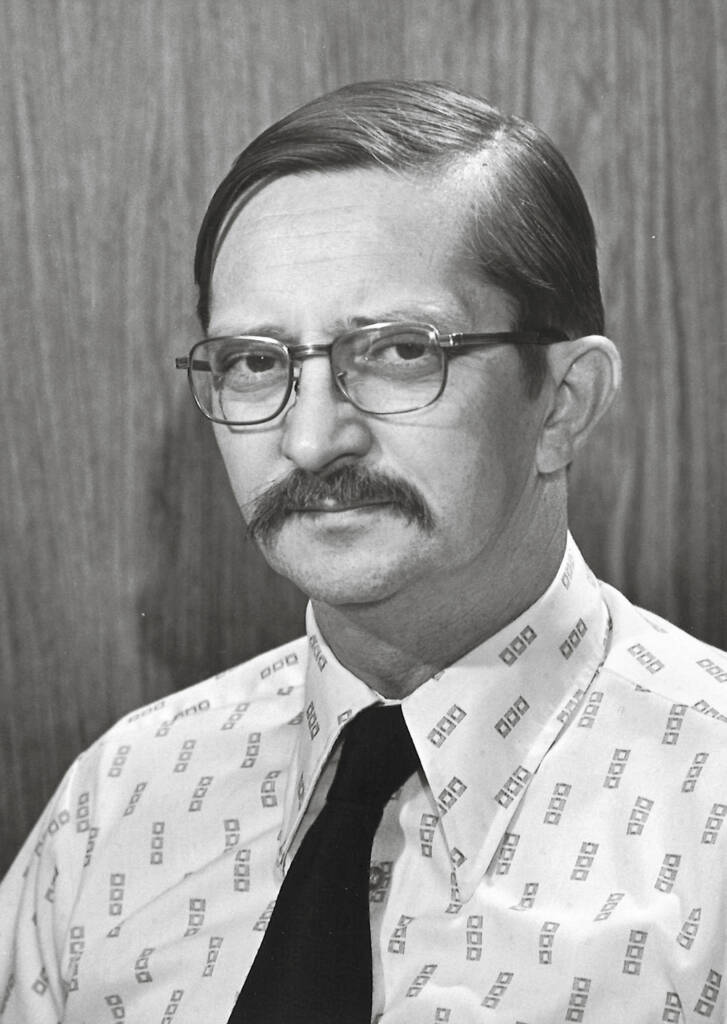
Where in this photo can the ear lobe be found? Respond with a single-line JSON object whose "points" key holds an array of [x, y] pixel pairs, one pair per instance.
{"points": [[585, 375]]}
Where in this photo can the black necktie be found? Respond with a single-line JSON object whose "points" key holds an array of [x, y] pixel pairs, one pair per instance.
{"points": [[314, 964]]}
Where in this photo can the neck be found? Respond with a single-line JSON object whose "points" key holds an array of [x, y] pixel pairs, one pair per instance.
{"points": [[396, 644]]}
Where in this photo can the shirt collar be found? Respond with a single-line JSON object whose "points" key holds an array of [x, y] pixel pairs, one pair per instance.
{"points": [[481, 726], [332, 696]]}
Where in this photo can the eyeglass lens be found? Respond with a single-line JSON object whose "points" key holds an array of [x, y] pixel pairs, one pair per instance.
{"points": [[247, 379], [381, 369]]}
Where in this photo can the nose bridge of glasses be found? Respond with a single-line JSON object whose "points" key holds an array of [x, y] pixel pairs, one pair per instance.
{"points": [[298, 355]]}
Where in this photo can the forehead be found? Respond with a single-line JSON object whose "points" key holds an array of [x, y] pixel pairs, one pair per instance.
{"points": [[339, 242]]}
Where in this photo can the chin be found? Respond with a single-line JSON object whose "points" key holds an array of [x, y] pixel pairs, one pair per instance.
{"points": [[348, 572], [344, 589], [339, 596], [341, 581]]}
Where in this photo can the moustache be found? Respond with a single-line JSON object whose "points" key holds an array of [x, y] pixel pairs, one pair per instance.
{"points": [[302, 491]]}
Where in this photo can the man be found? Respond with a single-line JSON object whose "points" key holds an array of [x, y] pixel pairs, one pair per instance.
{"points": [[403, 353]]}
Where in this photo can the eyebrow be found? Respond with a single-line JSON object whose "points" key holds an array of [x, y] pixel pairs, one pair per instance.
{"points": [[439, 316], [268, 330]]}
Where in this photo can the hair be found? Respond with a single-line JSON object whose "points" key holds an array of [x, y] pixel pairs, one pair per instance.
{"points": [[531, 231]]}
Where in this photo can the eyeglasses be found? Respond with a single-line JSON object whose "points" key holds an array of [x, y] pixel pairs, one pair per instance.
{"points": [[382, 369]]}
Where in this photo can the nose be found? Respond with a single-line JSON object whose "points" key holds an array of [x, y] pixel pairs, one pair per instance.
{"points": [[322, 429]]}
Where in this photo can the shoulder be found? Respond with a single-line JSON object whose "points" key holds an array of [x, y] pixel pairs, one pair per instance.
{"points": [[652, 656], [164, 752], [279, 671], [194, 733], [262, 694]]}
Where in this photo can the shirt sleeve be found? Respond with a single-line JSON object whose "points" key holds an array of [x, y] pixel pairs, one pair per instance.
{"points": [[36, 900]]}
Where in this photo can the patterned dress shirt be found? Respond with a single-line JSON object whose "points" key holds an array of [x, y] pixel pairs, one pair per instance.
{"points": [[560, 856]]}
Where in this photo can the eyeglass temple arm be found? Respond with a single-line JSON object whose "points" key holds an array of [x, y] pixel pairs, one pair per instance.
{"points": [[547, 336], [184, 363]]}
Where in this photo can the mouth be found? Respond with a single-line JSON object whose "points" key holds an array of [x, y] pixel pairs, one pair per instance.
{"points": [[331, 505]]}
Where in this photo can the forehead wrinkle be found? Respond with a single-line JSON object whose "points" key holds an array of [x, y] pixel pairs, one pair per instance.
{"points": [[299, 222], [327, 247], [328, 242], [449, 183], [269, 212]]}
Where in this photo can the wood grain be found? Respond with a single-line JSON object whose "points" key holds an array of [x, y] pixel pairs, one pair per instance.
{"points": [[124, 572]]}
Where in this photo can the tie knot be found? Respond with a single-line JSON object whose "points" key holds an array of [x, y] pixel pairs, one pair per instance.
{"points": [[377, 757]]}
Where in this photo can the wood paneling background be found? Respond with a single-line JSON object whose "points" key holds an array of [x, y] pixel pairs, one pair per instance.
{"points": [[123, 569]]}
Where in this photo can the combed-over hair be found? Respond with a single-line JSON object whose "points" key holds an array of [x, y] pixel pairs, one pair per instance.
{"points": [[532, 233]]}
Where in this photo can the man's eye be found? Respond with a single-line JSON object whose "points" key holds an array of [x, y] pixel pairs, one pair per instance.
{"points": [[258, 363], [402, 357], [394, 351], [240, 370], [409, 350]]}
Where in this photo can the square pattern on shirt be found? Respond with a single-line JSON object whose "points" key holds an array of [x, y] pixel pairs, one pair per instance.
{"points": [[559, 857]]}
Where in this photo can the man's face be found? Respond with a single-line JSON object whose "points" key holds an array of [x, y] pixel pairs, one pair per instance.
{"points": [[306, 259]]}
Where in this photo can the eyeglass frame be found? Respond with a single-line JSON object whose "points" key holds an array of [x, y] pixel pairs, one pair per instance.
{"points": [[452, 344]]}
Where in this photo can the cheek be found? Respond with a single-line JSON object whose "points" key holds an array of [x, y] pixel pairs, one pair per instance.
{"points": [[248, 460], [454, 467], [481, 464]]}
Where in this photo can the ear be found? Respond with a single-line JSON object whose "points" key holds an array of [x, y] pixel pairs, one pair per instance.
{"points": [[584, 377]]}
